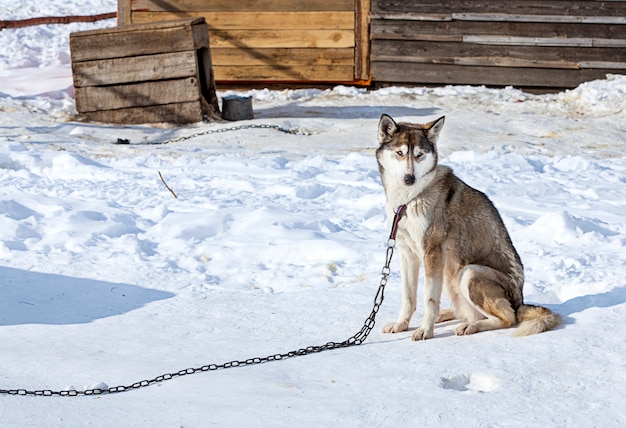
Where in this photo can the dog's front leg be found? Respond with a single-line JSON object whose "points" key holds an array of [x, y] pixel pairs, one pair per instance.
{"points": [[409, 272], [433, 271]]}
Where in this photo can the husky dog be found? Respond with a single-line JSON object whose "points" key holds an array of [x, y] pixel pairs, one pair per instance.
{"points": [[457, 233]]}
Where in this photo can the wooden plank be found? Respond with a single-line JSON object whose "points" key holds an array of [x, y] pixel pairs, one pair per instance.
{"points": [[136, 94], [243, 6], [425, 51], [322, 73], [135, 69], [283, 56], [497, 17], [282, 39], [544, 41], [189, 112], [259, 20], [508, 17], [116, 43], [410, 16], [411, 30], [200, 36], [362, 41], [207, 82], [415, 73], [519, 7], [608, 65], [123, 13], [494, 61]]}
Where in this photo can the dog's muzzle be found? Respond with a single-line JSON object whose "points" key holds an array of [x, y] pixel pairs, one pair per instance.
{"points": [[409, 179]]}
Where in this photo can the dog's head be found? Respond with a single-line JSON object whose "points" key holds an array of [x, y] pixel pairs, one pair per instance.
{"points": [[407, 152]]}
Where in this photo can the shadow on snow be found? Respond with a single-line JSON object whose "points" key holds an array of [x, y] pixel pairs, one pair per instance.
{"points": [[296, 110], [41, 298]]}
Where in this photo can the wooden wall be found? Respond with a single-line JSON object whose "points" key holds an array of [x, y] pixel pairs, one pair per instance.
{"points": [[529, 43], [273, 40]]}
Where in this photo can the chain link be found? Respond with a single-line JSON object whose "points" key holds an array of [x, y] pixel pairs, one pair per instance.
{"points": [[293, 131], [354, 340]]}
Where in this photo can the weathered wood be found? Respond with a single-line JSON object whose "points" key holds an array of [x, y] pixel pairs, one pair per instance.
{"points": [[608, 65], [331, 73], [123, 13], [544, 41], [497, 17], [519, 7], [411, 30], [133, 69], [47, 20], [131, 41], [509, 17], [494, 61], [274, 38], [169, 113], [282, 39], [362, 45], [283, 56], [327, 20], [409, 16], [206, 76], [158, 72], [137, 94], [555, 43], [243, 6], [414, 73], [429, 52]]}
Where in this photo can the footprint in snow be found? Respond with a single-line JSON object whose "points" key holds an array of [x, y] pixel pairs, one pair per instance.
{"points": [[477, 382]]}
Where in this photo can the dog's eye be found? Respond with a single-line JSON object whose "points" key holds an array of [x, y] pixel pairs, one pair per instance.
{"points": [[399, 153], [419, 155]]}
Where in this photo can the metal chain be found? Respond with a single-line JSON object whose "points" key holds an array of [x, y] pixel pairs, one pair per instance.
{"points": [[354, 340], [293, 131]]}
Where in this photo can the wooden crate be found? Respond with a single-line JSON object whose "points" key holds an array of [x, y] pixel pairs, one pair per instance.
{"points": [[272, 41], [527, 43], [158, 72]]}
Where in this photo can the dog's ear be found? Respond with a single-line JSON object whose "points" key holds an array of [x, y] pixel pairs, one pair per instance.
{"points": [[433, 128], [386, 128]]}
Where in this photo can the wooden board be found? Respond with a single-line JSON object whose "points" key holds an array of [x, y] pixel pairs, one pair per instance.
{"points": [[327, 20], [509, 7], [131, 41], [251, 39], [334, 73], [135, 69], [454, 53], [137, 94], [446, 30], [362, 42], [417, 73], [243, 6], [170, 113], [283, 56]]}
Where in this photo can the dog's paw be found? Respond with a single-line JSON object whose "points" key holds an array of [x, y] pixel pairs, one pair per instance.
{"points": [[466, 328], [395, 327], [422, 334]]}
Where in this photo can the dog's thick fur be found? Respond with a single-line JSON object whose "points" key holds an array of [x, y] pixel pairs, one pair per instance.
{"points": [[459, 237]]}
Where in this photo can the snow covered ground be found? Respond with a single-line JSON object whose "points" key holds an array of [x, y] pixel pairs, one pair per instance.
{"points": [[276, 242]]}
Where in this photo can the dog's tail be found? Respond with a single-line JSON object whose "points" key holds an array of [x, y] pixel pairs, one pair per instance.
{"points": [[536, 319]]}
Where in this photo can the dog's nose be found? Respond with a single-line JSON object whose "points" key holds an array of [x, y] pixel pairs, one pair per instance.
{"points": [[409, 179]]}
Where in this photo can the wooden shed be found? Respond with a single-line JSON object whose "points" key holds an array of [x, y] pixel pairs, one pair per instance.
{"points": [[525, 43], [314, 41]]}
